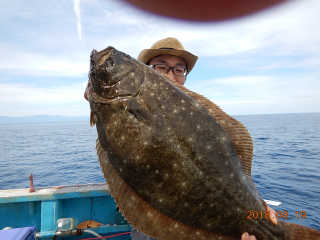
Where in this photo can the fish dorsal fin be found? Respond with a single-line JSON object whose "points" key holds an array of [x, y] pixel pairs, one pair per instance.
{"points": [[236, 130], [142, 215]]}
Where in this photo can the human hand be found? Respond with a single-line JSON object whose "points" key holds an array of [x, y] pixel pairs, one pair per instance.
{"points": [[85, 92], [246, 236]]}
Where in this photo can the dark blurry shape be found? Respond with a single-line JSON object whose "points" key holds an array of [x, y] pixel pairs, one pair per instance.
{"points": [[203, 10], [31, 189]]}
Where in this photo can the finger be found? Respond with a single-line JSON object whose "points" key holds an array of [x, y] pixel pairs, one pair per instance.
{"points": [[272, 215], [245, 236]]}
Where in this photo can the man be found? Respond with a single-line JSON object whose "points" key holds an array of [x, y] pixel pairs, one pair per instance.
{"points": [[169, 56]]}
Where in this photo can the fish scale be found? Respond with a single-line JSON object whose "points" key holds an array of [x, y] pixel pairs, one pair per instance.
{"points": [[177, 167]]}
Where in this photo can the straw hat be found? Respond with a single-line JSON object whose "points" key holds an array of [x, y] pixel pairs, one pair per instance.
{"points": [[170, 46]]}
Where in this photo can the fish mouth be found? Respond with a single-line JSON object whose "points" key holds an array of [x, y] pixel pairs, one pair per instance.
{"points": [[100, 57], [105, 76], [93, 96]]}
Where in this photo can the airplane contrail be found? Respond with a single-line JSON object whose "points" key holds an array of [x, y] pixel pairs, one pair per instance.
{"points": [[77, 11]]}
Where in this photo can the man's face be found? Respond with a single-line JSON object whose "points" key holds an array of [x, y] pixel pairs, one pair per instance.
{"points": [[171, 61]]}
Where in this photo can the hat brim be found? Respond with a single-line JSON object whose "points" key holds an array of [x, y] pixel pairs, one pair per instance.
{"points": [[147, 54]]}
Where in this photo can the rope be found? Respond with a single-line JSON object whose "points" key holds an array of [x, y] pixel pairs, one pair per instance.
{"points": [[107, 236]]}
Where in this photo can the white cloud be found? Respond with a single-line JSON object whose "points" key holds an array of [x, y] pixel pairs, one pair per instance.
{"points": [[243, 102], [241, 81], [27, 63], [77, 11], [264, 89], [30, 94], [18, 100], [288, 29], [285, 30], [41, 39]]}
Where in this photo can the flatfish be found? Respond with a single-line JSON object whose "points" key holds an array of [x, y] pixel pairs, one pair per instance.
{"points": [[177, 166]]}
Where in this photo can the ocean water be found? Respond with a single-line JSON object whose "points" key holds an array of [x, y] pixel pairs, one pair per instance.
{"points": [[285, 168], [286, 163], [56, 154]]}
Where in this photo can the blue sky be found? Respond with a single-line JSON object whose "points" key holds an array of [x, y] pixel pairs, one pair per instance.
{"points": [[264, 63]]}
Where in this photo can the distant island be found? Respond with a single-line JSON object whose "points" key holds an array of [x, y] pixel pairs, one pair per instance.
{"points": [[41, 119]]}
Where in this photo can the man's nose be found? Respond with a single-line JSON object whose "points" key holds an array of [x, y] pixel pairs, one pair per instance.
{"points": [[170, 73]]}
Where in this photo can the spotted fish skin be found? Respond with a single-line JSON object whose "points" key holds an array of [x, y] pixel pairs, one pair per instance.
{"points": [[170, 150]]}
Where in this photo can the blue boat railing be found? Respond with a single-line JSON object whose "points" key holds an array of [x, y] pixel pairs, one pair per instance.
{"points": [[42, 209]]}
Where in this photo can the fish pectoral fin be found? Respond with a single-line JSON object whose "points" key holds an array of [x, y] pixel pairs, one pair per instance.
{"points": [[93, 118], [138, 111]]}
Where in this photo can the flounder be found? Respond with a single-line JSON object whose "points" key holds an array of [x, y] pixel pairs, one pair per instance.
{"points": [[177, 166]]}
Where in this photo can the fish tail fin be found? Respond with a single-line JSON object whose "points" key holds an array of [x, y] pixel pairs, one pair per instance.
{"points": [[299, 232], [93, 118]]}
